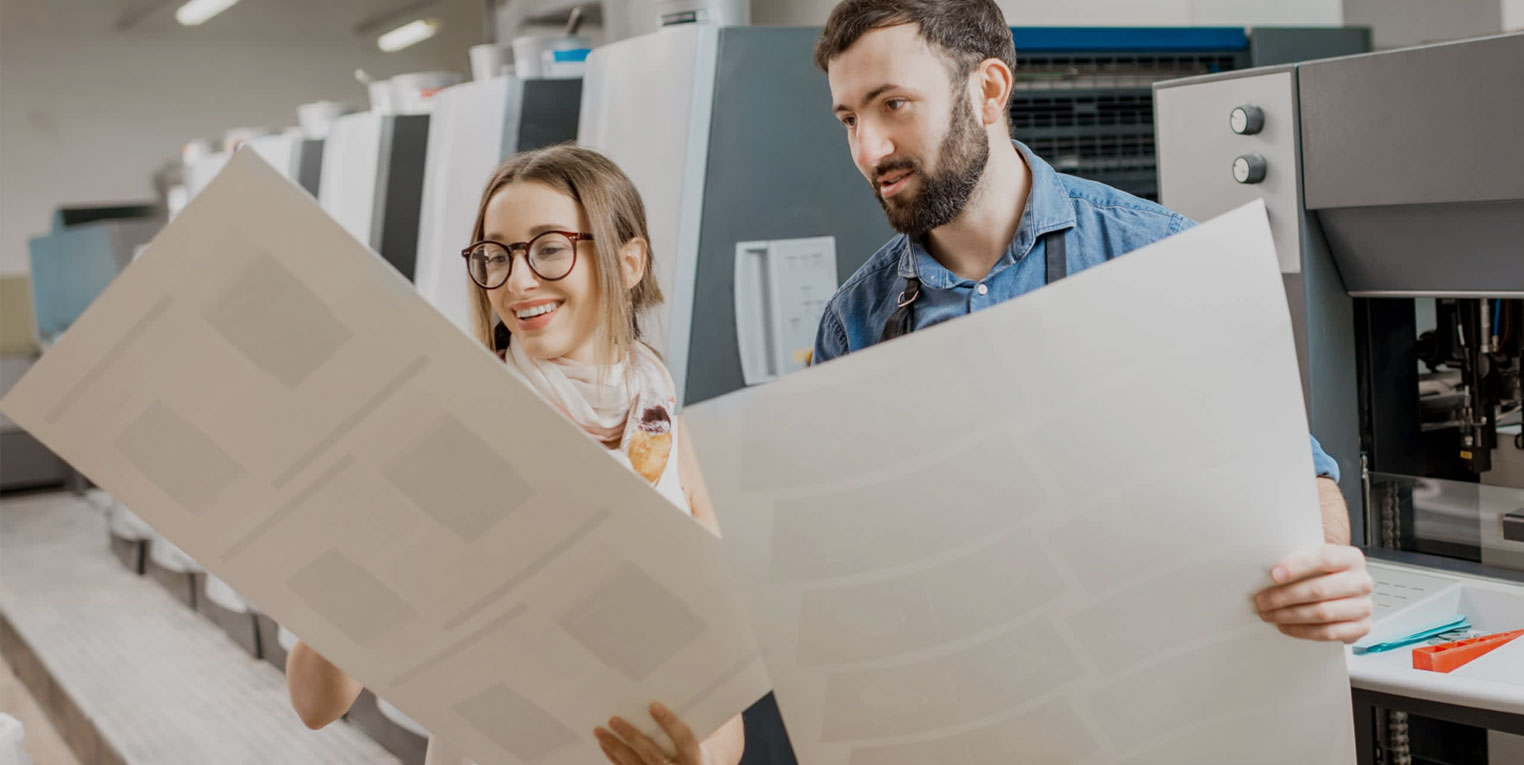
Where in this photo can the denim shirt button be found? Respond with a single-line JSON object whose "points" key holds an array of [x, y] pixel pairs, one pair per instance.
{"points": [[984, 289]]}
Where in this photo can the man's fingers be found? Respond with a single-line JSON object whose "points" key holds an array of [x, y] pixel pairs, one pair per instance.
{"points": [[1326, 612], [1343, 632], [616, 750], [1345, 584], [1323, 559], [677, 730], [643, 746]]}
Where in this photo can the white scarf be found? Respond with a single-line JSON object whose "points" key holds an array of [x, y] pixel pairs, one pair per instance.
{"points": [[631, 410]]}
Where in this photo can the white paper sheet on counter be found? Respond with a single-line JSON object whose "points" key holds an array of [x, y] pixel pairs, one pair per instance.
{"points": [[1032, 535], [278, 401]]}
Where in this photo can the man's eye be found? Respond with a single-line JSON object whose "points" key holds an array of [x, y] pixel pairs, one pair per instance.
{"points": [[894, 104], [849, 122]]}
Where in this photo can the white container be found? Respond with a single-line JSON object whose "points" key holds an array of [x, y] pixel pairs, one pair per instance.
{"points": [[530, 52], [411, 93], [11, 735], [380, 96], [222, 594], [490, 60], [315, 118], [721, 13], [565, 63]]}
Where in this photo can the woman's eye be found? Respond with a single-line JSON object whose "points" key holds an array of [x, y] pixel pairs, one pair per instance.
{"points": [[894, 104], [849, 122]]}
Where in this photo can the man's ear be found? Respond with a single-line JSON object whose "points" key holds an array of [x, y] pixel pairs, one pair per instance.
{"points": [[994, 81], [633, 256]]}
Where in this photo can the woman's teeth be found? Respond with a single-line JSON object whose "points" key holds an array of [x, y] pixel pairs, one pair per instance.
{"points": [[530, 313]]}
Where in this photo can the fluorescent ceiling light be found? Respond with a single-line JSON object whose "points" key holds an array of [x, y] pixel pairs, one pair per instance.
{"points": [[411, 33], [197, 11]]}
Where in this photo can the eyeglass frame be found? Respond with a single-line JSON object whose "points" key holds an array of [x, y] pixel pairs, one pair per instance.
{"points": [[575, 237]]}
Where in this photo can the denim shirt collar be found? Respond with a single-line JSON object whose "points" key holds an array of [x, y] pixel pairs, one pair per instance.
{"points": [[1048, 209]]}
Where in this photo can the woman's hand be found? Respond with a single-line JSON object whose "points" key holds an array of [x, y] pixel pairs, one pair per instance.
{"points": [[320, 692], [626, 745]]}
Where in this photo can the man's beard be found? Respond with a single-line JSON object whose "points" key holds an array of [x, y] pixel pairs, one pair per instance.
{"points": [[945, 192]]}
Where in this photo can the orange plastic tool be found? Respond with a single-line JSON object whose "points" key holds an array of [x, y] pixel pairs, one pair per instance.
{"points": [[1447, 656]]}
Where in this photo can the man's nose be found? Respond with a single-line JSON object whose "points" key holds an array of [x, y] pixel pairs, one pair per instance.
{"points": [[873, 147]]}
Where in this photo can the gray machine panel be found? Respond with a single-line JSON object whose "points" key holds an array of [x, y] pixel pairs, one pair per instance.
{"points": [[404, 147], [1196, 149], [1411, 159], [1438, 123], [1459, 248], [1269, 46], [309, 164], [778, 168], [548, 113]]}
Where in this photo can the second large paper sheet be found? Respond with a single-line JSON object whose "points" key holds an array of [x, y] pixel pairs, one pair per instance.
{"points": [[1033, 535], [280, 403]]}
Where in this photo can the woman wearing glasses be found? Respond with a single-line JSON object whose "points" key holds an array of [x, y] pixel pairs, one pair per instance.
{"points": [[561, 258]]}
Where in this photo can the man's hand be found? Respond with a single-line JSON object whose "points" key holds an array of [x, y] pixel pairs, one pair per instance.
{"points": [[1320, 594], [631, 747]]}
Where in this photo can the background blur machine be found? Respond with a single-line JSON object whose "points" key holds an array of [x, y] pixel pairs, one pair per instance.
{"points": [[296, 156], [372, 181], [1395, 187], [755, 209], [474, 127]]}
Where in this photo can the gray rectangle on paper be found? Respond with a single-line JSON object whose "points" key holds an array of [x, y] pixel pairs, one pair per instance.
{"points": [[1167, 697], [457, 479], [1052, 733], [275, 321], [632, 623], [349, 597], [97, 372], [926, 608], [902, 520], [178, 457], [997, 675], [1123, 630], [515, 723]]}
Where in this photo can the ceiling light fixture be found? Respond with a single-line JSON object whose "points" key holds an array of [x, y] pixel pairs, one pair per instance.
{"points": [[408, 34], [198, 11]]}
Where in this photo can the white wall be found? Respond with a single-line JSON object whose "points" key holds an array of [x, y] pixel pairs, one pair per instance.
{"points": [[1021, 13], [87, 113], [1400, 23], [1513, 15]]}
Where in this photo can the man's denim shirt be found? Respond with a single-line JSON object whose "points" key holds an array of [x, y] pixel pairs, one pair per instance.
{"points": [[1100, 223]]}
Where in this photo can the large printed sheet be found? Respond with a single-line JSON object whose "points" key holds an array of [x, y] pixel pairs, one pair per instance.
{"points": [[276, 399], [1033, 535]]}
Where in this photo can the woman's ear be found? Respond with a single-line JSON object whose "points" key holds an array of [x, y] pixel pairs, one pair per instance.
{"points": [[632, 261]]}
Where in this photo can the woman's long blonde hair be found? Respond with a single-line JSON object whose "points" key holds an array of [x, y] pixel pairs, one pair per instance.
{"points": [[616, 216]]}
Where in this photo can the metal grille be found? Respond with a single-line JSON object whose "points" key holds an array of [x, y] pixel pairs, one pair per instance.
{"points": [[1092, 114]]}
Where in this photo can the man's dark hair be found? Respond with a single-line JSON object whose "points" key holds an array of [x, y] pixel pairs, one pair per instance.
{"points": [[964, 32]]}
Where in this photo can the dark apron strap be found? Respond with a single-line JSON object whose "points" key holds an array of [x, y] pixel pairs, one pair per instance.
{"points": [[902, 321], [1058, 262]]}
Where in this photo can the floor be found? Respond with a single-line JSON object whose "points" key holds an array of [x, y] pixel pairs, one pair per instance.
{"points": [[40, 741], [160, 683]]}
